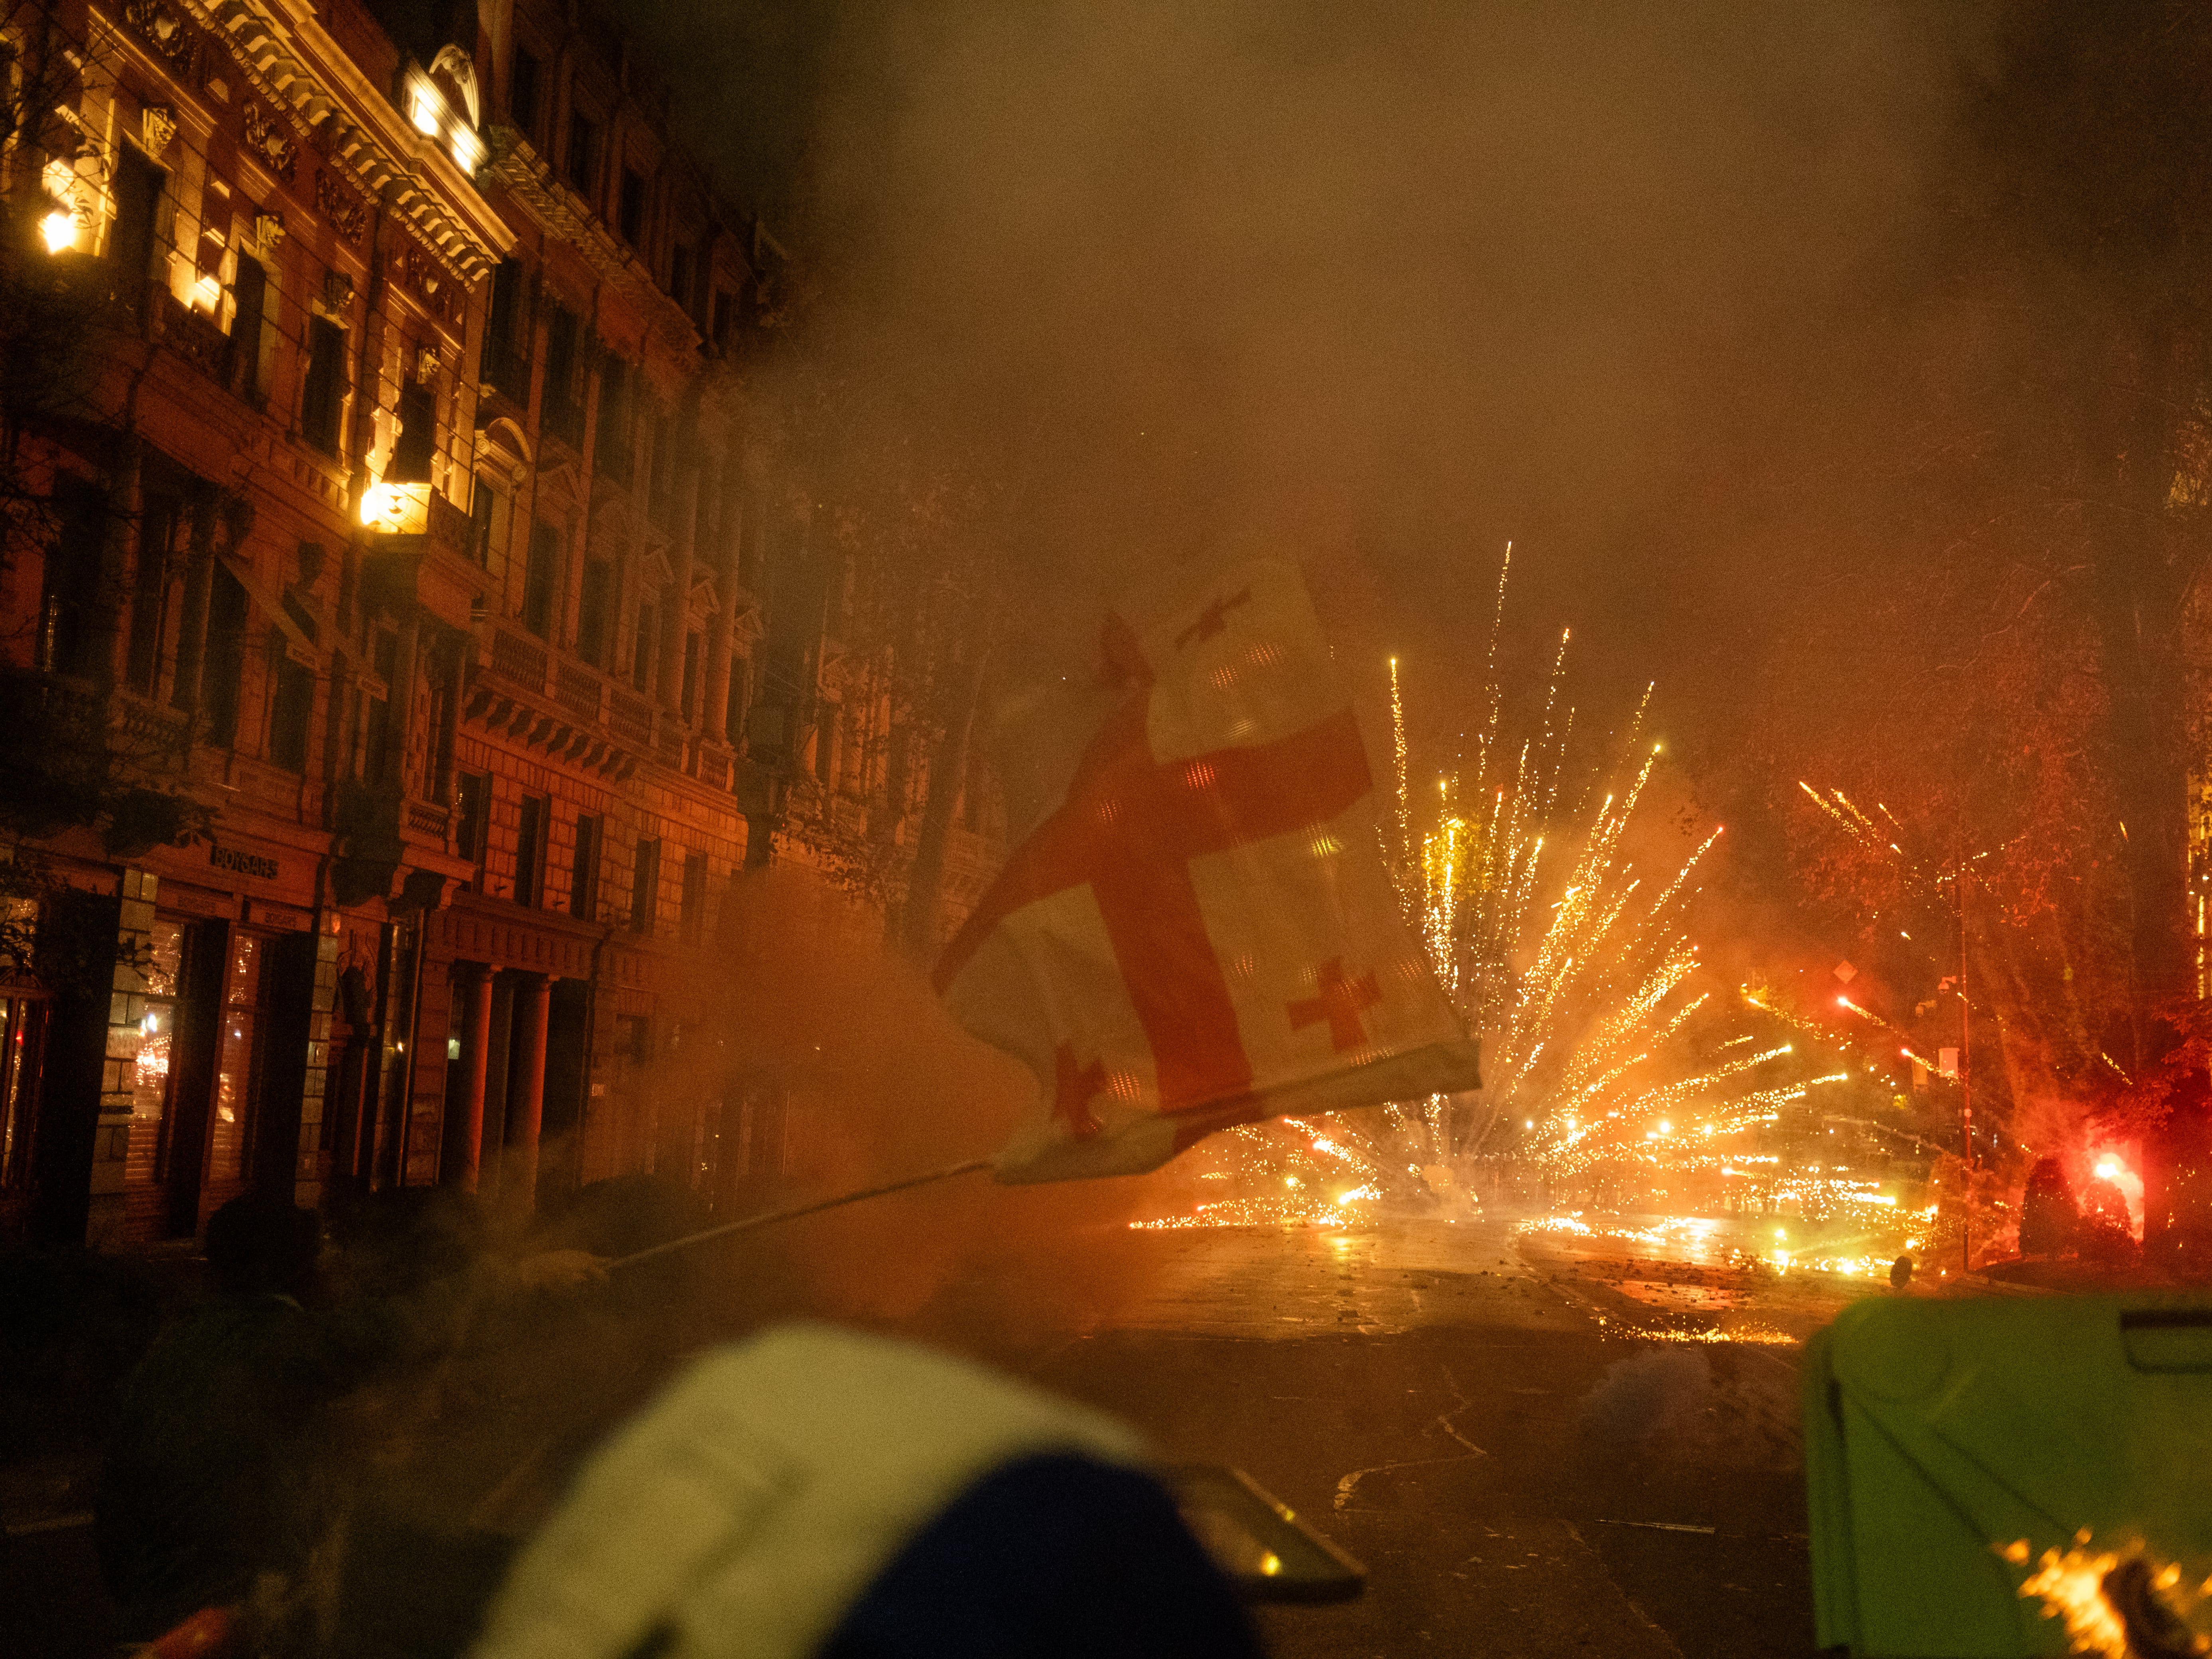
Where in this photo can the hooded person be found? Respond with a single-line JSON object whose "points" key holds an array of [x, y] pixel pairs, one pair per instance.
{"points": [[816, 1492]]}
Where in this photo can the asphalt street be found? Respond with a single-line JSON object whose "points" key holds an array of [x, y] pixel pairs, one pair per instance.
{"points": [[1510, 1431], [1520, 1431]]}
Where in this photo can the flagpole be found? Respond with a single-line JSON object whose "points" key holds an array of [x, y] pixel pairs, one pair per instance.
{"points": [[796, 1211]]}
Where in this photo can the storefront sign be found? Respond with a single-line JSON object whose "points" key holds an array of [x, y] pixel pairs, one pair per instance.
{"points": [[240, 862]]}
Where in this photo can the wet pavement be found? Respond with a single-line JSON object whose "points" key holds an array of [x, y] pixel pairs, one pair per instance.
{"points": [[1538, 1439], [1527, 1437]]}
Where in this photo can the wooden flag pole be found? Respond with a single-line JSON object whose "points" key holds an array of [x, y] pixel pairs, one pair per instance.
{"points": [[799, 1210]]}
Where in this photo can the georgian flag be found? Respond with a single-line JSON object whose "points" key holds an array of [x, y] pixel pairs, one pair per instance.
{"points": [[1197, 930]]}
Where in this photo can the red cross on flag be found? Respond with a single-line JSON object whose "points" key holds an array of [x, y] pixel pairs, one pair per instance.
{"points": [[1197, 930]]}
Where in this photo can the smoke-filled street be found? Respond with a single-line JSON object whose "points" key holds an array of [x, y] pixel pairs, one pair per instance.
{"points": [[1468, 1407], [1469, 1412], [806, 805]]}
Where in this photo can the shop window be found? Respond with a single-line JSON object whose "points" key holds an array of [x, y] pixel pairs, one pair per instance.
{"points": [[541, 580], [225, 657], [645, 888], [152, 1079], [595, 611], [291, 710], [22, 1064], [522, 92], [530, 850], [322, 398], [411, 452], [149, 591], [633, 207], [584, 877], [693, 917], [241, 1060]]}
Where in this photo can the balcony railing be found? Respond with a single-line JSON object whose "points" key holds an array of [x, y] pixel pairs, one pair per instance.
{"points": [[578, 690], [591, 700], [521, 659], [630, 719], [195, 337]]}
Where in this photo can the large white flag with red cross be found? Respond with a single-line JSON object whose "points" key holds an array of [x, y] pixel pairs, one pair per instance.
{"points": [[1197, 930]]}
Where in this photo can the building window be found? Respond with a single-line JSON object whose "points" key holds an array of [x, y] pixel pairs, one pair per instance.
{"points": [[541, 580], [693, 917], [583, 152], [613, 448], [225, 657], [472, 819], [251, 294], [679, 276], [530, 850], [633, 207], [645, 887], [595, 611], [584, 881], [322, 401], [376, 711], [68, 625], [734, 711], [725, 306], [149, 591], [688, 698], [661, 493], [506, 365], [641, 660], [825, 746], [563, 410], [484, 504], [522, 92], [138, 185], [291, 710], [418, 436]]}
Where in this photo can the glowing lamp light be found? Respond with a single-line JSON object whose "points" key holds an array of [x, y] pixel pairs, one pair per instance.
{"points": [[423, 111], [2108, 1169], [397, 509], [206, 291], [59, 231]]}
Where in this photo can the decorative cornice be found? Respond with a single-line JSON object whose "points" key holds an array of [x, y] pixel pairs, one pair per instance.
{"points": [[296, 63], [564, 215]]}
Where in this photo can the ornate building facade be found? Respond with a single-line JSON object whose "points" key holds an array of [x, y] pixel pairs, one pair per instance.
{"points": [[410, 525]]}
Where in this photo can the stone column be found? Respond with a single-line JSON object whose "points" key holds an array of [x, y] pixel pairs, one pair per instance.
{"points": [[525, 1091], [466, 1107]]}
